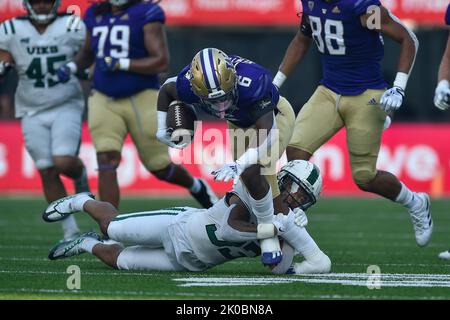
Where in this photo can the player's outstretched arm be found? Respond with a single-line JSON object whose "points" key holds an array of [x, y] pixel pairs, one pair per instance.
{"points": [[265, 136], [295, 52], [442, 93], [389, 25]]}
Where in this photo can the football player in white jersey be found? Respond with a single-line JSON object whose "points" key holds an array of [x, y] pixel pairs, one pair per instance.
{"points": [[190, 239], [36, 45]]}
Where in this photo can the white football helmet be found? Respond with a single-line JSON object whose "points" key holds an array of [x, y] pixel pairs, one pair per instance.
{"points": [[42, 18], [118, 2], [303, 174]]}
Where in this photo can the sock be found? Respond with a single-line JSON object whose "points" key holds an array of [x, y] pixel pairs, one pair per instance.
{"points": [[406, 197], [81, 183], [196, 186], [88, 244], [69, 226], [263, 208], [79, 201], [300, 239]]}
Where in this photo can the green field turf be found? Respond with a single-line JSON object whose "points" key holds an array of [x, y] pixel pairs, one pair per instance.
{"points": [[355, 233]]}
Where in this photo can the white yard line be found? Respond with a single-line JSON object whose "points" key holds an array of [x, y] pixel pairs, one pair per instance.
{"points": [[347, 279]]}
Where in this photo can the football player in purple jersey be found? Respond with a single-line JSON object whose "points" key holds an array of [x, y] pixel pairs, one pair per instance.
{"points": [[240, 91], [353, 93], [127, 42]]}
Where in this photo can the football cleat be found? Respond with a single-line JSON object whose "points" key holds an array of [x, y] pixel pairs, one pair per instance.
{"points": [[319, 263], [270, 251], [71, 248], [445, 255], [422, 221], [206, 196], [81, 184], [61, 208]]}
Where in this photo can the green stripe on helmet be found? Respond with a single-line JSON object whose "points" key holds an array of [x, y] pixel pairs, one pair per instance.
{"points": [[313, 176]]}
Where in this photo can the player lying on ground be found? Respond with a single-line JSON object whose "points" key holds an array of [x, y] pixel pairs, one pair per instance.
{"points": [[190, 239], [352, 93], [35, 45], [240, 91]]}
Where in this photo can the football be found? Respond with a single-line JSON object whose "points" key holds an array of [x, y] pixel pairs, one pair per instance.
{"points": [[181, 119]]}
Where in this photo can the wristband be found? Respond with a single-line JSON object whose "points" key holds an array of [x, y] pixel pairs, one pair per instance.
{"points": [[124, 64], [72, 67], [279, 79], [162, 116], [401, 80]]}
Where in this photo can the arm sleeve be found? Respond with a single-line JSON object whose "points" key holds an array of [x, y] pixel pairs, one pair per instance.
{"points": [[6, 33], [361, 6]]}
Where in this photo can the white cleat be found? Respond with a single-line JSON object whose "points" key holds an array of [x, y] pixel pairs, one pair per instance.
{"points": [[319, 263], [445, 255], [422, 221], [61, 208], [71, 248]]}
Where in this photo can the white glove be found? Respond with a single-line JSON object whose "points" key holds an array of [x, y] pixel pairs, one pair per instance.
{"points": [[4, 68], [229, 171], [442, 95], [164, 135], [300, 217], [284, 222], [392, 99]]}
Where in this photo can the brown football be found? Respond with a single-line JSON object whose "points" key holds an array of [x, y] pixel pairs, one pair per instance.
{"points": [[181, 119]]}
